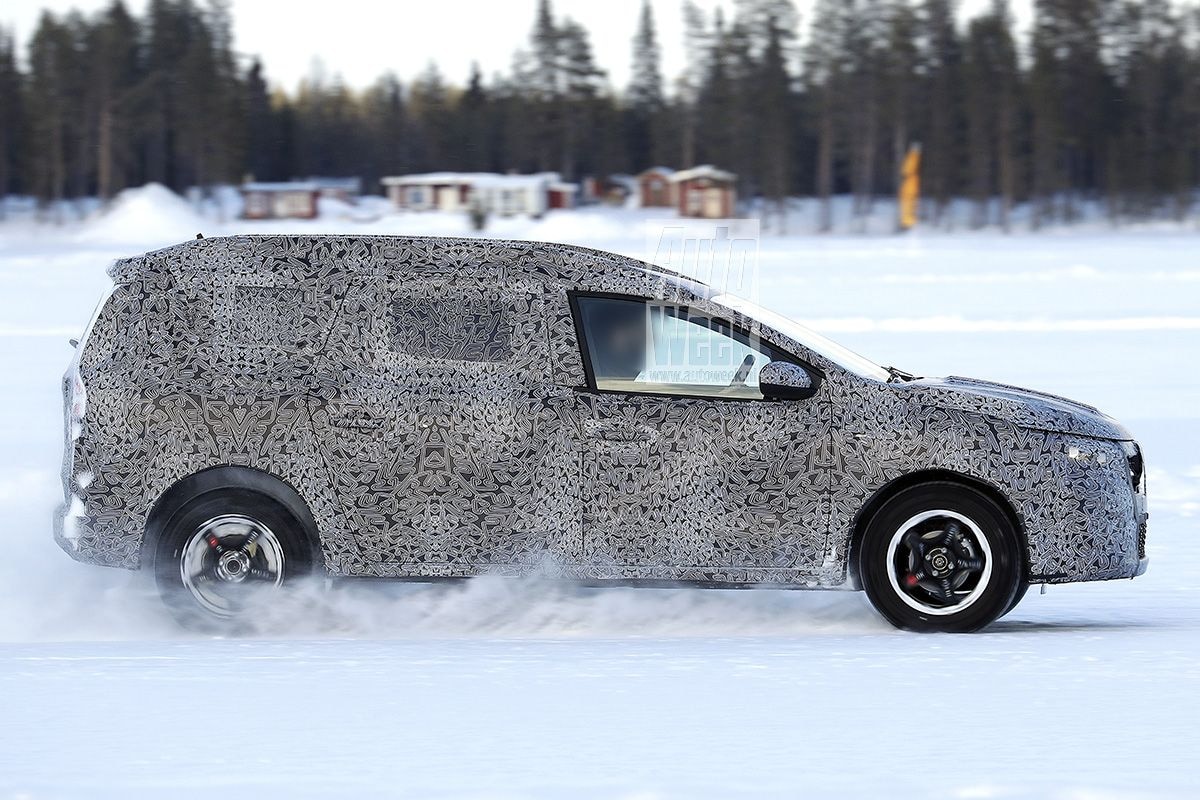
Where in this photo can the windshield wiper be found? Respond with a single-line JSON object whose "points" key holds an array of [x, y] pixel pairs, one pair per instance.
{"points": [[897, 375]]}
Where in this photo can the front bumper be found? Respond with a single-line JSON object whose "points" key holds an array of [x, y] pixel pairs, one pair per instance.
{"points": [[1086, 515]]}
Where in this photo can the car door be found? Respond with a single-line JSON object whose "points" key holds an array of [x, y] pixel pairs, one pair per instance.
{"points": [[687, 472], [435, 439]]}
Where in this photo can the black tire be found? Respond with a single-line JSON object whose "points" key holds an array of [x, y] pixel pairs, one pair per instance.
{"points": [[1022, 589], [186, 524], [907, 567]]}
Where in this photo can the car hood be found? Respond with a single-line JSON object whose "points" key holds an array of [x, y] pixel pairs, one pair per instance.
{"points": [[1024, 407]]}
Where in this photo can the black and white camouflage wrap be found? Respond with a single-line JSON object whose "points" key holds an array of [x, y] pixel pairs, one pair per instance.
{"points": [[427, 399]]}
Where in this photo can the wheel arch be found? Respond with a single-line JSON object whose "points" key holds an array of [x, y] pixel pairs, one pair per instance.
{"points": [[224, 478], [889, 490]]}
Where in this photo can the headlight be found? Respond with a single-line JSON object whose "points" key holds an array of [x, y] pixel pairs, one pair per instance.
{"points": [[1076, 453]]}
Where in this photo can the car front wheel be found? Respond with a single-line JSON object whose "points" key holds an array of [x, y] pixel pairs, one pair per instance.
{"points": [[941, 557]]}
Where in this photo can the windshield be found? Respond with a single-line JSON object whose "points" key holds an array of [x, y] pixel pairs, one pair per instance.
{"points": [[814, 341]]}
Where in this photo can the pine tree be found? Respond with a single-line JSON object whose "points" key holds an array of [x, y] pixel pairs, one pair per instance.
{"points": [[899, 65], [941, 63], [1185, 151], [1070, 102], [388, 130], [261, 136], [49, 106], [825, 70], [114, 85], [473, 119], [774, 98], [519, 119], [430, 102], [1007, 81], [760, 17], [1149, 76], [12, 118], [697, 48], [545, 77], [165, 43], [716, 122], [581, 83], [867, 37], [644, 98], [991, 71], [543, 86], [227, 136]]}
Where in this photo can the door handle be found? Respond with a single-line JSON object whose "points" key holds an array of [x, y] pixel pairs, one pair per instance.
{"points": [[356, 420], [622, 433]]}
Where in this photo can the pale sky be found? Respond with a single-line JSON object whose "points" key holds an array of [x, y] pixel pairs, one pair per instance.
{"points": [[363, 39]]}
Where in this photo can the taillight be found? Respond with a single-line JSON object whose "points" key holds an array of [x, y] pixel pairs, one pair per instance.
{"points": [[78, 403]]}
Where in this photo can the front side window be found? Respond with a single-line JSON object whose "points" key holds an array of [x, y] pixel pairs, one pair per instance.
{"points": [[641, 346]]}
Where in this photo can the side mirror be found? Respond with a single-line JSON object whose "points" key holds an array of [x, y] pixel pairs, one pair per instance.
{"points": [[783, 380]]}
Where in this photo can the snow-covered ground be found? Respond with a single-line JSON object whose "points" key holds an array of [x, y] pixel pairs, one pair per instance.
{"points": [[524, 689]]}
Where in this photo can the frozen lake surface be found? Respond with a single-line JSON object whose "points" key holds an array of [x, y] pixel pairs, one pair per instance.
{"points": [[512, 689]]}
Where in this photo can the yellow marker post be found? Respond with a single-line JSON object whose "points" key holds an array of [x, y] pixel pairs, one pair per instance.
{"points": [[910, 187]]}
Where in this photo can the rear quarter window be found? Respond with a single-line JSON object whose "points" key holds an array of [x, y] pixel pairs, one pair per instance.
{"points": [[267, 315], [460, 327], [114, 340]]}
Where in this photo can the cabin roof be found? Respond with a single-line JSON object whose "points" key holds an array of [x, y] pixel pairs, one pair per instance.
{"points": [[334, 258]]}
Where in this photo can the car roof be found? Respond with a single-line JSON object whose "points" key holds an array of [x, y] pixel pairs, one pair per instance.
{"points": [[306, 258]]}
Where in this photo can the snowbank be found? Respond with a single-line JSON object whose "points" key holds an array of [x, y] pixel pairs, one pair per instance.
{"points": [[365, 210], [146, 217]]}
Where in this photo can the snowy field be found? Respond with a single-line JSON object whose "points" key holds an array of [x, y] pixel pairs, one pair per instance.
{"points": [[495, 689]]}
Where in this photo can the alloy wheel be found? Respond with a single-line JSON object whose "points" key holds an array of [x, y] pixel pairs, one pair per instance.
{"points": [[939, 562], [227, 559]]}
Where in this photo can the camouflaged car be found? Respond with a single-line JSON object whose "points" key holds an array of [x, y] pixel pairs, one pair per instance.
{"points": [[245, 411]]}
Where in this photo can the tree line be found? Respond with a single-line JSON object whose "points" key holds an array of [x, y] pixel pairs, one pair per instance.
{"points": [[1099, 102]]}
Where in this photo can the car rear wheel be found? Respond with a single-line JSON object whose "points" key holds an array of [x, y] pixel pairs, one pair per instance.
{"points": [[941, 557], [226, 555]]}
